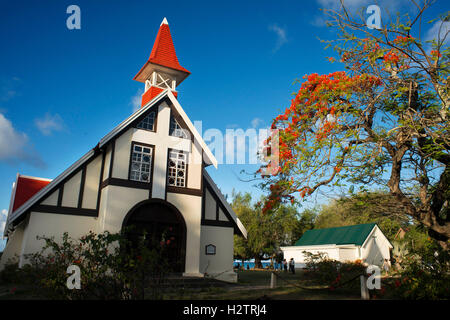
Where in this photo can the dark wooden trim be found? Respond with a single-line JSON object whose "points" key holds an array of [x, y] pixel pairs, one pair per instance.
{"points": [[215, 223], [203, 202], [152, 173], [82, 183], [202, 188], [60, 195], [111, 161], [64, 210], [167, 172], [190, 191], [125, 183], [99, 191], [217, 210]]}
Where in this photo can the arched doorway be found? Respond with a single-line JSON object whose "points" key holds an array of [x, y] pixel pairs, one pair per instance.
{"points": [[160, 221]]}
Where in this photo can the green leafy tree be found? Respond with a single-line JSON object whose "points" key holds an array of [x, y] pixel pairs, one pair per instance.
{"points": [[366, 207], [265, 232], [382, 122]]}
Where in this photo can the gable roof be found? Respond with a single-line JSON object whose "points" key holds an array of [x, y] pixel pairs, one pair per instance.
{"points": [[25, 187], [225, 203], [110, 136], [356, 234]]}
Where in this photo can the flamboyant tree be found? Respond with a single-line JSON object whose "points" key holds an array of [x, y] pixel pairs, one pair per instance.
{"points": [[384, 121]]}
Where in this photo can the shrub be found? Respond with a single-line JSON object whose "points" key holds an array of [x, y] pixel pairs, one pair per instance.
{"points": [[333, 273], [425, 273], [111, 268]]}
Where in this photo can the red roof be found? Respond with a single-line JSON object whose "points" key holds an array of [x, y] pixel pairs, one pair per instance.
{"points": [[163, 52], [25, 188]]}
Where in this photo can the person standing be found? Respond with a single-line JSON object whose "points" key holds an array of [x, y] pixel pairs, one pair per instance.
{"points": [[285, 265], [386, 265], [292, 265]]}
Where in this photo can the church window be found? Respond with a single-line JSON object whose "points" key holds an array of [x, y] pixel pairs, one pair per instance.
{"points": [[176, 130], [148, 123], [176, 171], [141, 163]]}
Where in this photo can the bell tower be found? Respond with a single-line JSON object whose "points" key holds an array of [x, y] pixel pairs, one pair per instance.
{"points": [[162, 70]]}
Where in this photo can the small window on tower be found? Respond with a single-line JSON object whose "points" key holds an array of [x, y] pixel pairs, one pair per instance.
{"points": [[176, 168], [176, 130], [141, 163], [148, 123]]}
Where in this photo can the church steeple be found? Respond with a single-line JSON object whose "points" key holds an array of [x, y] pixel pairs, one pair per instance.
{"points": [[162, 70]]}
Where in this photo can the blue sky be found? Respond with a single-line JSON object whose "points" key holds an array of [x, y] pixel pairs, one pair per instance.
{"points": [[62, 90]]}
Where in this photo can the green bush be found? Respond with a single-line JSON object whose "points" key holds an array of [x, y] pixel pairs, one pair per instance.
{"points": [[111, 268], [331, 272], [425, 273]]}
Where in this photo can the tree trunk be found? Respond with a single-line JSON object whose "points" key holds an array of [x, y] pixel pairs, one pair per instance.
{"points": [[258, 263]]}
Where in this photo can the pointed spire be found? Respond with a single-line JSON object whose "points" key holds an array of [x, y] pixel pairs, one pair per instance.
{"points": [[163, 52], [161, 65], [164, 22]]}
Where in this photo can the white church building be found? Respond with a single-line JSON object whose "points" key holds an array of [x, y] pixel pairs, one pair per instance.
{"points": [[149, 171]]}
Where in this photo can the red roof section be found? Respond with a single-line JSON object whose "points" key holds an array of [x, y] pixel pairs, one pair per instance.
{"points": [[163, 52], [26, 187]]}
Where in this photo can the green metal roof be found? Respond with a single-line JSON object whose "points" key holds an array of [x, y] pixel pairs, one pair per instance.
{"points": [[356, 234]]}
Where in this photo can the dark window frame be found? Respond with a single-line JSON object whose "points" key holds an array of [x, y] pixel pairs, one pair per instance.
{"points": [[186, 170], [210, 246], [151, 146]]}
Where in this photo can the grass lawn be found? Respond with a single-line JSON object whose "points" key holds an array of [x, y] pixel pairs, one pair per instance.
{"points": [[252, 285]]}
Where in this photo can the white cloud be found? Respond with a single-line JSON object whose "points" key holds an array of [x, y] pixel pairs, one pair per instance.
{"points": [[15, 146], [49, 123], [136, 100], [256, 122], [281, 36], [439, 32]]}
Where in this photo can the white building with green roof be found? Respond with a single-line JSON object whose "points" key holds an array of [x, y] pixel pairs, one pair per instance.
{"points": [[364, 242]]}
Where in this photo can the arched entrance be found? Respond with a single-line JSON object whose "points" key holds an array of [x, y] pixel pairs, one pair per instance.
{"points": [[160, 221]]}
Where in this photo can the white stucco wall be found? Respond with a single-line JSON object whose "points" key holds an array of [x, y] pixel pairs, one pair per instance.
{"points": [[210, 206], [52, 200], [53, 225], [13, 247], [91, 184], [195, 167], [296, 252], [71, 191], [115, 203], [219, 265], [348, 254], [376, 248], [191, 209]]}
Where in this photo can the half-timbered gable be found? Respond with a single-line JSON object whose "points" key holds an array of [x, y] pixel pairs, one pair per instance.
{"points": [[149, 169]]}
